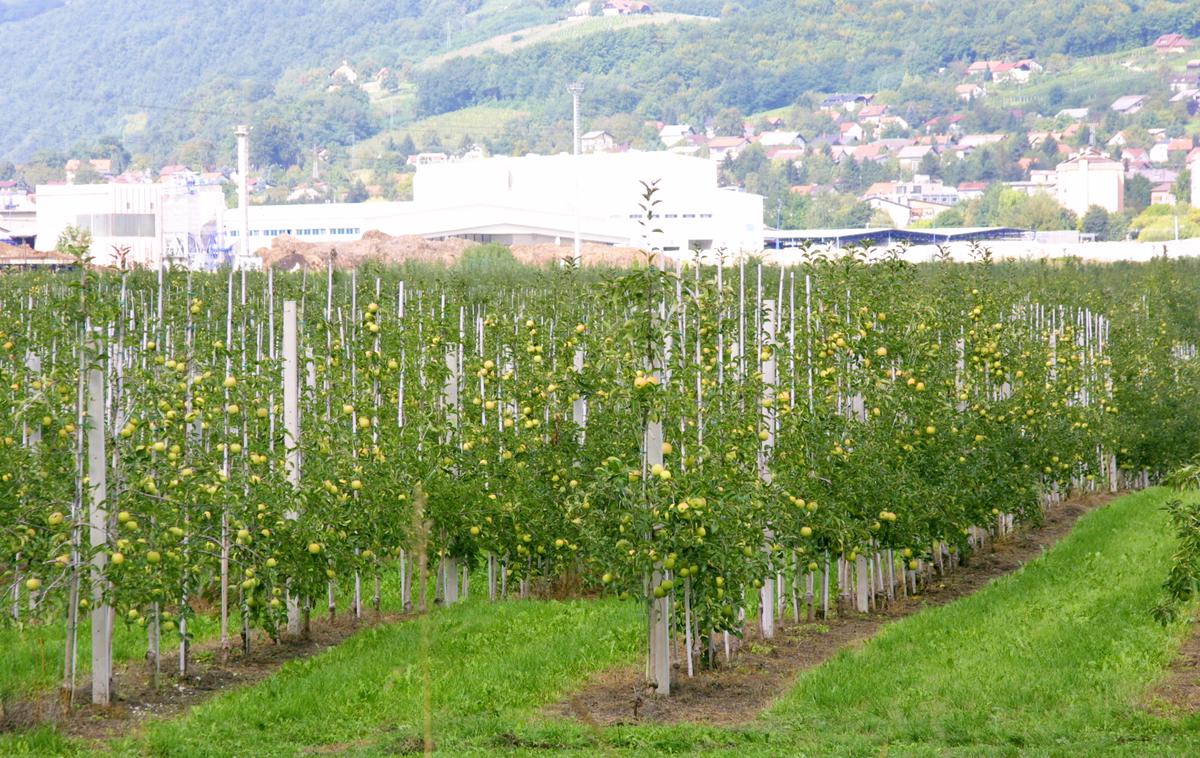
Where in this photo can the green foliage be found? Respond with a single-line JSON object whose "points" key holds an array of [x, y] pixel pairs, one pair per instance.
{"points": [[1158, 223], [1002, 206], [1182, 585]]}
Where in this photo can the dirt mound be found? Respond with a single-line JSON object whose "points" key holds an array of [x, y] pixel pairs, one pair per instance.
{"points": [[289, 253]]}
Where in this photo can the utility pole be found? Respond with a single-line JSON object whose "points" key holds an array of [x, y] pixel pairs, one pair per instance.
{"points": [[316, 163], [243, 149], [576, 88]]}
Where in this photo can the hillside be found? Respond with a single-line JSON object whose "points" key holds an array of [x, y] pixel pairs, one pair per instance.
{"points": [[86, 66], [169, 82], [573, 27]]}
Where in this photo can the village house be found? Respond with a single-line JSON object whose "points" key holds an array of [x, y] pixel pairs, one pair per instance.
{"points": [[780, 138], [672, 134], [1135, 157], [102, 166], [1187, 81], [851, 133], [1127, 105], [1075, 114], [969, 92], [1190, 98], [785, 154], [691, 145], [921, 199], [910, 157], [979, 140], [343, 75], [597, 142], [625, 8], [720, 148], [177, 175], [1172, 44], [1163, 194], [871, 114], [971, 190], [1159, 152], [845, 102]]}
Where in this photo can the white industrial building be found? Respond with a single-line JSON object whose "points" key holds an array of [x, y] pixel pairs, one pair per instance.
{"points": [[540, 198], [146, 224]]}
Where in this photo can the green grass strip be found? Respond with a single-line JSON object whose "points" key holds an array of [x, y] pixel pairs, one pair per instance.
{"points": [[1054, 660]]}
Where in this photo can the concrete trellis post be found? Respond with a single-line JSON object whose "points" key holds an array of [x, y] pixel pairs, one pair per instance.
{"points": [[448, 571], [658, 661], [769, 368], [102, 612], [291, 426]]}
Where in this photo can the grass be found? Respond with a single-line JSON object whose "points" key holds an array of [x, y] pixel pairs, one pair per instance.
{"points": [[488, 665], [31, 657], [1054, 660], [560, 31]]}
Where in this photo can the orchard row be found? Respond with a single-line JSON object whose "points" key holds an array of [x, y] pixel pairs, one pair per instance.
{"points": [[692, 437]]}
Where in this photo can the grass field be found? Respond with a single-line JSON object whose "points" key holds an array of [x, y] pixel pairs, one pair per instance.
{"points": [[561, 31], [1054, 660]]}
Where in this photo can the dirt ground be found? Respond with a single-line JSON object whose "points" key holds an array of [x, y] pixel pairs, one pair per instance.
{"points": [[761, 670], [1179, 690], [289, 253], [138, 699]]}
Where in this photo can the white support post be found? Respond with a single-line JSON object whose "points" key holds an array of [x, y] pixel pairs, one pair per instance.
{"points": [[658, 662], [291, 426], [768, 366], [860, 577], [102, 612]]}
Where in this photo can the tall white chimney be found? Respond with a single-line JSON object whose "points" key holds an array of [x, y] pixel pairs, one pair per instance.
{"points": [[243, 151]]}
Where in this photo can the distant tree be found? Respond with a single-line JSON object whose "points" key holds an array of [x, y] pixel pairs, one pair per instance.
{"points": [[275, 143], [358, 192], [730, 122], [1183, 186], [1096, 222], [407, 146], [389, 80], [930, 165], [7, 171], [1137, 193], [85, 174]]}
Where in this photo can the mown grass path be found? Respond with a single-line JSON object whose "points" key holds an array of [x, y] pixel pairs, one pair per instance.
{"points": [[1054, 660]]}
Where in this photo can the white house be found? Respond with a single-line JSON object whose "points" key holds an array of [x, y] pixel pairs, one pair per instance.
{"points": [[672, 134], [778, 138], [597, 142]]}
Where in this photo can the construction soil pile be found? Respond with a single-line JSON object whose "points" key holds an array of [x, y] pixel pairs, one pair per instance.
{"points": [[290, 254]]}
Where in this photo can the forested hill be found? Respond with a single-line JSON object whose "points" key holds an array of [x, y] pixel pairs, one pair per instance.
{"points": [[170, 70], [765, 54], [74, 70]]}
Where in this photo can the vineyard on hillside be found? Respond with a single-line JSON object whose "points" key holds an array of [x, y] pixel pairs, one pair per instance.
{"points": [[716, 443]]}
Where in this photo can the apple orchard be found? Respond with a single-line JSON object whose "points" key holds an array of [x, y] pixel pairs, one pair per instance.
{"points": [[724, 445]]}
